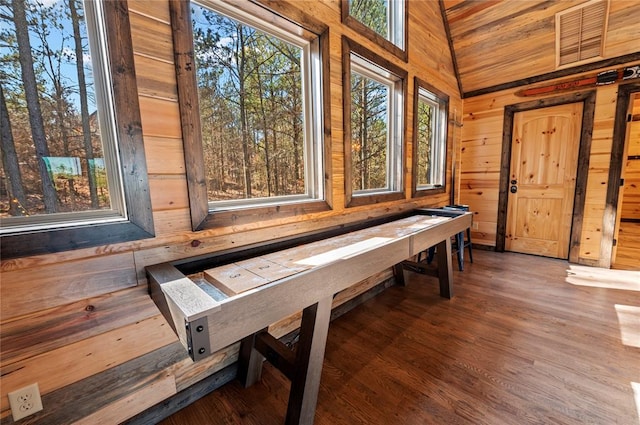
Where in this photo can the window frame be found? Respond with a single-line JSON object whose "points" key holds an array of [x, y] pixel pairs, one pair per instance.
{"points": [[394, 165], [259, 209], [137, 222], [387, 44], [443, 102]]}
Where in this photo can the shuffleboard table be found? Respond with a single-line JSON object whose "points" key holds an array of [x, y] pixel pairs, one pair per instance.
{"points": [[238, 301]]}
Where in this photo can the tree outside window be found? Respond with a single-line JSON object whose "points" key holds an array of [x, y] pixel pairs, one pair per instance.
{"points": [[430, 139], [369, 133], [260, 140], [383, 21], [48, 109], [374, 125], [60, 165]]}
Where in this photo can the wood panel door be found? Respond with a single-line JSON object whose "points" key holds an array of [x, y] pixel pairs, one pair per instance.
{"points": [[544, 156]]}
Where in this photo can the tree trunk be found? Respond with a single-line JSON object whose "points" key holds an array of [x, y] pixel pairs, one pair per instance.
{"points": [[267, 157], [33, 104], [17, 199], [61, 117], [246, 154], [84, 104], [298, 136], [364, 136]]}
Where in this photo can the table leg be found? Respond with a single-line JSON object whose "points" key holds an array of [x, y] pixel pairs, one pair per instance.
{"points": [[309, 358], [398, 272], [249, 361], [445, 270]]}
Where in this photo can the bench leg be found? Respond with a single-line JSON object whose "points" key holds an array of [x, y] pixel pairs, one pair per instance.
{"points": [[249, 361], [445, 270], [398, 272], [460, 249], [309, 358]]}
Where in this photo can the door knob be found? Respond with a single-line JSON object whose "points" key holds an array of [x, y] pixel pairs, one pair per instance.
{"points": [[513, 189]]}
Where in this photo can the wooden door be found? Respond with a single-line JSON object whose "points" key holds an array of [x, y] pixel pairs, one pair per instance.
{"points": [[544, 156]]}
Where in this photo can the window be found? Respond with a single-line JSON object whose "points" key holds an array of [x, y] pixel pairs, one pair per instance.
{"points": [[429, 139], [374, 123], [73, 169], [384, 21], [260, 114]]}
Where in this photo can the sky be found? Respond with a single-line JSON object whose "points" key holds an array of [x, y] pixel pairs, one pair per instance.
{"points": [[61, 40]]}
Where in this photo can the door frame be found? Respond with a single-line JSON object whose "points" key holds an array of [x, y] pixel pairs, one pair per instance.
{"points": [[615, 172], [588, 99]]}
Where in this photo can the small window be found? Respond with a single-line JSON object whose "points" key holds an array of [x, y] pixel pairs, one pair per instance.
{"points": [[384, 21], [374, 128], [65, 127], [429, 139], [259, 88], [580, 33]]}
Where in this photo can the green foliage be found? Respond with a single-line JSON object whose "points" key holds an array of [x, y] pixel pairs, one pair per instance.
{"points": [[372, 13], [52, 41], [369, 132], [250, 90], [424, 142]]}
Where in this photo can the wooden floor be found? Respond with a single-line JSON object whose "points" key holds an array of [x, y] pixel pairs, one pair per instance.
{"points": [[526, 340]]}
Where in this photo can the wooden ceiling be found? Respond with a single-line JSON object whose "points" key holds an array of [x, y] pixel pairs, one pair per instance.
{"points": [[497, 42]]}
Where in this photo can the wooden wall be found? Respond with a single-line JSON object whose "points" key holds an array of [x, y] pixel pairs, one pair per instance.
{"points": [[481, 149], [628, 238], [81, 324], [501, 41]]}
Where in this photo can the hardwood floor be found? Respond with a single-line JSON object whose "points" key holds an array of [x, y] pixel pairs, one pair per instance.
{"points": [[525, 340]]}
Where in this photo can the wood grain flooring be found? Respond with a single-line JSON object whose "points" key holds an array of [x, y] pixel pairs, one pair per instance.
{"points": [[525, 340]]}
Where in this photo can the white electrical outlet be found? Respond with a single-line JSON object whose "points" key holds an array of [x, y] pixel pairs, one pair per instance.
{"points": [[25, 401]]}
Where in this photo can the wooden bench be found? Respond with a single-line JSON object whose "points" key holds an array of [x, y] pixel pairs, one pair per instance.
{"points": [[238, 301]]}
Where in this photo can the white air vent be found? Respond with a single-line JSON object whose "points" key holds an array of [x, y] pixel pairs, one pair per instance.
{"points": [[580, 32]]}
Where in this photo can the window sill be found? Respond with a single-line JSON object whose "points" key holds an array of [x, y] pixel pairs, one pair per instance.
{"points": [[374, 198], [235, 217], [417, 193]]}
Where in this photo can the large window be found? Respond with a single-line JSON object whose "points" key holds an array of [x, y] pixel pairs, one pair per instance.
{"points": [[374, 124], [429, 139], [68, 130], [384, 21], [259, 88]]}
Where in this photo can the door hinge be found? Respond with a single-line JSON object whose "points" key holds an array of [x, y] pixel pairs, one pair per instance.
{"points": [[615, 242], [621, 182], [629, 117]]}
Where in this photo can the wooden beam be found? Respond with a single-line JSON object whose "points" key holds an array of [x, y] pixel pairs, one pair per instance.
{"points": [[555, 74]]}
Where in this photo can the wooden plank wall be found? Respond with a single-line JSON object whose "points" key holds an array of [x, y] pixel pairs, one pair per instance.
{"points": [[481, 147], [502, 41], [626, 254], [81, 324]]}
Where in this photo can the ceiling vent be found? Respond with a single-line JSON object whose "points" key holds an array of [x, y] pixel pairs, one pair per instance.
{"points": [[580, 33]]}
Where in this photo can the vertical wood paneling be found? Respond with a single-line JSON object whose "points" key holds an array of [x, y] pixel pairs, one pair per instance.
{"points": [[481, 152], [598, 172]]}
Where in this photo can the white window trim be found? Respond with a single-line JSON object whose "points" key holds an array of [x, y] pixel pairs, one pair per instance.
{"points": [[438, 142], [311, 70], [395, 117], [396, 28], [96, 32]]}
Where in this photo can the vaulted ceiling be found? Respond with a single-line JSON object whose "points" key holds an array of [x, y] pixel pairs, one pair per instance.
{"points": [[497, 42]]}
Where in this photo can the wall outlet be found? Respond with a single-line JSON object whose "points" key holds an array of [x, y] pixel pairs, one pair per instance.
{"points": [[475, 226], [25, 401]]}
